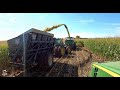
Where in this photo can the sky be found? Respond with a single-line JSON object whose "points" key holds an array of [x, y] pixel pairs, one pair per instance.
{"points": [[85, 25]]}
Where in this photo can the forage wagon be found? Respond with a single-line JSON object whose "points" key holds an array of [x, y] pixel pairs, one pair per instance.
{"points": [[33, 48]]}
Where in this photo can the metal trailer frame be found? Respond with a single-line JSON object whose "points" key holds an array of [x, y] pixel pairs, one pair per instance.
{"points": [[30, 49]]}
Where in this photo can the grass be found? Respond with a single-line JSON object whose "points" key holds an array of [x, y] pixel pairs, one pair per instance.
{"points": [[108, 48]]}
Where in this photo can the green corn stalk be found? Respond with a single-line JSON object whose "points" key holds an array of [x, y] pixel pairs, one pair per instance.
{"points": [[108, 48]]}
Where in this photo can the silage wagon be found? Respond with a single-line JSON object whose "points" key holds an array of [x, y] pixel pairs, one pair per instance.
{"points": [[31, 50]]}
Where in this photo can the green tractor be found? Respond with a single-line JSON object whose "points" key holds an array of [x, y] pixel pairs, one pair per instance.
{"points": [[60, 49]]}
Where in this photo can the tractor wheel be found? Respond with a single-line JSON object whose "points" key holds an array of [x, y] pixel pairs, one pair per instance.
{"points": [[61, 51], [68, 49], [74, 46], [56, 51]]}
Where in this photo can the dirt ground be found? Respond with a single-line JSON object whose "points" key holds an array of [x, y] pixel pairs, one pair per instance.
{"points": [[85, 58], [78, 64]]}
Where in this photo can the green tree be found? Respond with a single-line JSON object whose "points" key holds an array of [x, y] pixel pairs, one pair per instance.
{"points": [[77, 37]]}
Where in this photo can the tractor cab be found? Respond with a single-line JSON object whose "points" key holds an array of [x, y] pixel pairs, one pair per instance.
{"points": [[58, 41], [69, 41]]}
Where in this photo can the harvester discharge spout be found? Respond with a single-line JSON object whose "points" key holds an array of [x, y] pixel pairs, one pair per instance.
{"points": [[56, 26]]}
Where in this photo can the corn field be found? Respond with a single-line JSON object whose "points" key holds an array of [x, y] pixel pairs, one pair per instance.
{"points": [[109, 48], [4, 59]]}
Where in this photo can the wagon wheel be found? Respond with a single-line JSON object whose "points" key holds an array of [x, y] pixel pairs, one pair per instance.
{"points": [[17, 68], [19, 60], [49, 60]]}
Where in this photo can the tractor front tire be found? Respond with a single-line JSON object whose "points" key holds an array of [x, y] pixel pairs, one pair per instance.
{"points": [[56, 51], [68, 50], [61, 51]]}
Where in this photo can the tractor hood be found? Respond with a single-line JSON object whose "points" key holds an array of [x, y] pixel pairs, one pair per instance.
{"points": [[112, 68]]}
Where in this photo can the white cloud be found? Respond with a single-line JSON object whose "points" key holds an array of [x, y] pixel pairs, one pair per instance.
{"points": [[81, 34], [62, 33], [86, 21], [10, 14], [117, 31], [113, 24], [11, 17], [3, 22], [8, 21], [8, 33], [89, 34], [12, 20], [59, 34], [7, 18], [117, 28]]}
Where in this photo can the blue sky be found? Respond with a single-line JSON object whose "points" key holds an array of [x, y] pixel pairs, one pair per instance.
{"points": [[86, 25]]}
